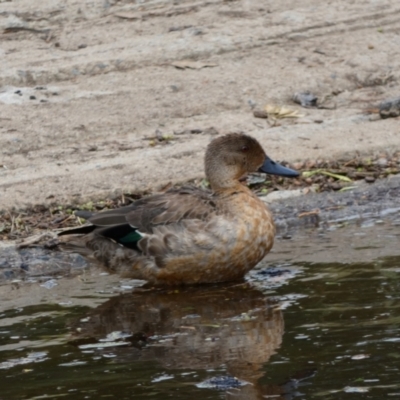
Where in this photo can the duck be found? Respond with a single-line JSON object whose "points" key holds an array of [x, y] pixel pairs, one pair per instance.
{"points": [[188, 235]]}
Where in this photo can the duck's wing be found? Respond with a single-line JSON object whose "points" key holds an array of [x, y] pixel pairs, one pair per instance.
{"points": [[128, 225], [172, 207]]}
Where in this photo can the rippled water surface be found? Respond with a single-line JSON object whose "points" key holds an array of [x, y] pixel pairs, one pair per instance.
{"points": [[320, 318]]}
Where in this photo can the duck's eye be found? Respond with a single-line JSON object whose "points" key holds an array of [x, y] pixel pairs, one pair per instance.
{"points": [[244, 149]]}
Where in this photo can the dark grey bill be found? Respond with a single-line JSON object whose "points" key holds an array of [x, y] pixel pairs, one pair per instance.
{"points": [[273, 168]]}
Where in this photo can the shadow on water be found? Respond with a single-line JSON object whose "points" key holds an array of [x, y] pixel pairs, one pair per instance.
{"points": [[324, 322]]}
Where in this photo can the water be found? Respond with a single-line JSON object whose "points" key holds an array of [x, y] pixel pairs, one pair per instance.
{"points": [[319, 319]]}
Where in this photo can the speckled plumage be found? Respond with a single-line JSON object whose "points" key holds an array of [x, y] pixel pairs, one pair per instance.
{"points": [[188, 235]]}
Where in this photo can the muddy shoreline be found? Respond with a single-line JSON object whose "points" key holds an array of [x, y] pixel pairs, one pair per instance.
{"points": [[366, 202]]}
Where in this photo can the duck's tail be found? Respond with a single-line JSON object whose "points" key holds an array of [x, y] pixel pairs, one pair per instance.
{"points": [[80, 230]]}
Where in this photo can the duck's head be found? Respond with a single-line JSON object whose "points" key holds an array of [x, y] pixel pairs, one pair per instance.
{"points": [[232, 156]]}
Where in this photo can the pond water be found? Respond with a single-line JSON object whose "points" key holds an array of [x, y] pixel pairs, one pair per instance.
{"points": [[320, 318]]}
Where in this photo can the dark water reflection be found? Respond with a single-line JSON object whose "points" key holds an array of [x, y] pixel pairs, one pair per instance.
{"points": [[235, 329], [327, 330], [148, 337]]}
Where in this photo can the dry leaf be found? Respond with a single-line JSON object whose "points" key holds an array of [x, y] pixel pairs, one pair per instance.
{"points": [[275, 111], [188, 64]]}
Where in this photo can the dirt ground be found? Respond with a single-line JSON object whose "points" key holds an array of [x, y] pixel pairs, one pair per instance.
{"points": [[84, 83]]}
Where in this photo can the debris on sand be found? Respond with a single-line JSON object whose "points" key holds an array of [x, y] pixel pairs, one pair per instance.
{"points": [[390, 108], [305, 99], [273, 111]]}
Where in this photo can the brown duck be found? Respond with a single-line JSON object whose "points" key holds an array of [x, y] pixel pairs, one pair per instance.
{"points": [[189, 235]]}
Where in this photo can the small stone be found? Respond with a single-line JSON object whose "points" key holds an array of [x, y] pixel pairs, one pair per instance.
{"points": [[260, 114], [251, 103], [174, 88], [195, 31], [305, 99], [336, 186], [390, 108], [369, 179], [382, 162], [32, 97], [373, 117]]}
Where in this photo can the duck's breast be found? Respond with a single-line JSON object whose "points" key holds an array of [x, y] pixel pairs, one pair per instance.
{"points": [[252, 231]]}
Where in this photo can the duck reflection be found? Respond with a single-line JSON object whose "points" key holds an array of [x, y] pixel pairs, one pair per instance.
{"points": [[193, 328]]}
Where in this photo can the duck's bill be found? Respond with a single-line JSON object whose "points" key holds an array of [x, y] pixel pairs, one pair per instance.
{"points": [[273, 168]]}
